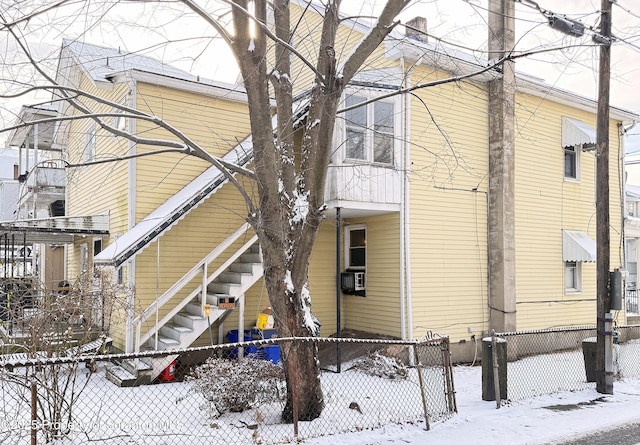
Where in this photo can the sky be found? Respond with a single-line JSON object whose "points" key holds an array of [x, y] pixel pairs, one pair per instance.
{"points": [[145, 27]]}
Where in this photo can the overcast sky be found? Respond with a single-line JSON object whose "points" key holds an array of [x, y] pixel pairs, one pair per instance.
{"points": [[139, 27]]}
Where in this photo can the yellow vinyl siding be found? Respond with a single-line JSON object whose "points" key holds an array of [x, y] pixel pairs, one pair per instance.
{"points": [[546, 204], [96, 188], [307, 39], [186, 244], [322, 278], [448, 213], [217, 125], [379, 311]]}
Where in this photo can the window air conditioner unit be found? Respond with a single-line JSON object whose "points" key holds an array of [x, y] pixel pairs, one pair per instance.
{"points": [[353, 283]]}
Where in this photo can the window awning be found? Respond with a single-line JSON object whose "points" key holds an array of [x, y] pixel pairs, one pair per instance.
{"points": [[575, 132], [578, 246]]}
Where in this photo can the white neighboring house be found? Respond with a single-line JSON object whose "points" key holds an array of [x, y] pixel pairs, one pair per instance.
{"points": [[8, 184], [631, 244]]}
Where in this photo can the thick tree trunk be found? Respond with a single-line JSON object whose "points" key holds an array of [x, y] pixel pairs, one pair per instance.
{"points": [[291, 309]]}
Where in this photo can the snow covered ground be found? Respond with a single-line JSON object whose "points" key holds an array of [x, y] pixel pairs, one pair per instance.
{"points": [[169, 414], [541, 420]]}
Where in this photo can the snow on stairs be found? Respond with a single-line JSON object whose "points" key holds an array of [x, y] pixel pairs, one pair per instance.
{"points": [[190, 323]]}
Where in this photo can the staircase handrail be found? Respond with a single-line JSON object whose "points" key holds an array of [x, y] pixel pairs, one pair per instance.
{"points": [[187, 278]]}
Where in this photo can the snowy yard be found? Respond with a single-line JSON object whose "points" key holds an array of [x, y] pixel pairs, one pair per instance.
{"points": [[173, 413], [361, 408]]}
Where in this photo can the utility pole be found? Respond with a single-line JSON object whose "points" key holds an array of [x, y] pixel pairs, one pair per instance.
{"points": [[604, 347], [501, 212]]}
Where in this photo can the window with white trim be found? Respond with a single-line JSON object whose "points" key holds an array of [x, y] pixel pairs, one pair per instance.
{"points": [[571, 162], [356, 247], [369, 129], [632, 256], [119, 121], [84, 257], [90, 144], [572, 277]]}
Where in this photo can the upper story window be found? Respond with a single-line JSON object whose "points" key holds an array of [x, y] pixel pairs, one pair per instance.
{"points": [[90, 144], [571, 162], [632, 208], [119, 121], [577, 137], [370, 130]]}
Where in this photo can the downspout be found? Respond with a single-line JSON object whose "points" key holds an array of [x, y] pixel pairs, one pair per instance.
{"points": [[131, 218], [338, 291], [623, 183], [405, 205], [36, 142], [402, 205]]}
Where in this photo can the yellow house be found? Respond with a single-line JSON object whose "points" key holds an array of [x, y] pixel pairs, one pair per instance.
{"points": [[406, 248]]}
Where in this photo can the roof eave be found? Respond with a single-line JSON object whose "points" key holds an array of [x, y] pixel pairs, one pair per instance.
{"points": [[204, 87]]}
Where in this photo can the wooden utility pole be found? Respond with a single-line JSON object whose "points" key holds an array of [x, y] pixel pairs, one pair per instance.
{"points": [[604, 348]]}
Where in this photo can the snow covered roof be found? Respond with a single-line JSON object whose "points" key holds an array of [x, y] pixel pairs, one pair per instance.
{"points": [[59, 229], [101, 63], [633, 192]]}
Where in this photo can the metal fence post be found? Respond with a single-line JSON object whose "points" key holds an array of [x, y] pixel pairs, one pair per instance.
{"points": [[34, 413], [496, 377], [422, 388]]}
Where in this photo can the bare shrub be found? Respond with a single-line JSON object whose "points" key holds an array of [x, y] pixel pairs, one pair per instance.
{"points": [[238, 385], [379, 365]]}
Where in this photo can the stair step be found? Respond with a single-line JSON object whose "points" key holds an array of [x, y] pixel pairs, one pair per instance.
{"points": [[250, 268], [120, 376], [224, 288], [251, 258], [135, 367], [168, 341], [188, 320], [234, 277], [194, 308], [180, 328], [174, 331]]}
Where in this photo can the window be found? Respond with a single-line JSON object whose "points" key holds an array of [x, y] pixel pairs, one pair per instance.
{"points": [[119, 122], [90, 144], [97, 246], [356, 242], [632, 208], [571, 162], [369, 130], [632, 256], [84, 257], [572, 277]]}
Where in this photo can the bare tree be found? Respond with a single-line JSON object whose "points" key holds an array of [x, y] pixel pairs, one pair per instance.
{"points": [[290, 179], [290, 187], [68, 325]]}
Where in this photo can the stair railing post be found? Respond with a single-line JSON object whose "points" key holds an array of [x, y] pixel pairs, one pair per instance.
{"points": [[138, 328], [204, 286]]}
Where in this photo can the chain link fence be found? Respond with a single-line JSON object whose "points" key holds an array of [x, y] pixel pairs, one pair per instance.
{"points": [[547, 361], [209, 395]]}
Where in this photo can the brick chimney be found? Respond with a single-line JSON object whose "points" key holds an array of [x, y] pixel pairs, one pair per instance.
{"points": [[416, 28]]}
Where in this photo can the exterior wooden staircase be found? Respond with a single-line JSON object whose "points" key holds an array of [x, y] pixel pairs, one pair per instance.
{"points": [[186, 321]]}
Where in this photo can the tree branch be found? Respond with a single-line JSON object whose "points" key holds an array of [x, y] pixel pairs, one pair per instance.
{"points": [[371, 41]]}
